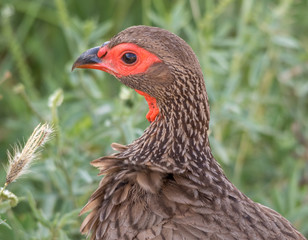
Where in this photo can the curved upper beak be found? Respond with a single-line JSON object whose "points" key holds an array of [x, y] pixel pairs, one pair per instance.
{"points": [[88, 59]]}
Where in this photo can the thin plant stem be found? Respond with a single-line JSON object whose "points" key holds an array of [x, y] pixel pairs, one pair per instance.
{"points": [[17, 52]]}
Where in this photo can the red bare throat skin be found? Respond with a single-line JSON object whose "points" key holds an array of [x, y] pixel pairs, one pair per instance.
{"points": [[153, 109]]}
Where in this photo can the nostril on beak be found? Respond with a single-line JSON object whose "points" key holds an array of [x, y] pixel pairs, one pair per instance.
{"points": [[103, 50]]}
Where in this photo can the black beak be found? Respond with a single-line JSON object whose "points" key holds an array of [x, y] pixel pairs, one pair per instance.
{"points": [[87, 58]]}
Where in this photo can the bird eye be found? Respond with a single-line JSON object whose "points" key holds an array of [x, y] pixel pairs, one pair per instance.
{"points": [[129, 58]]}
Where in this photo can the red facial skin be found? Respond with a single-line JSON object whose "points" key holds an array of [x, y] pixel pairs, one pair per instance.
{"points": [[111, 62]]}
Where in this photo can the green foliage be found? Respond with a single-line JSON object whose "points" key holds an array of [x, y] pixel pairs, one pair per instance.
{"points": [[255, 60]]}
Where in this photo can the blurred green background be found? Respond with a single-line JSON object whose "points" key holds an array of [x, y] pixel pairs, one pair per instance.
{"points": [[255, 60]]}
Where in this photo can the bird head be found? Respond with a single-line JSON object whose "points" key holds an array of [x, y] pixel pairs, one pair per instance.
{"points": [[148, 59]]}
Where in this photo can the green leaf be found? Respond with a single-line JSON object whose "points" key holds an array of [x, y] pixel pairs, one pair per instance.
{"points": [[3, 222], [285, 41]]}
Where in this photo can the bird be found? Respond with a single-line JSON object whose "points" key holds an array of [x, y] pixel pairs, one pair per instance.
{"points": [[166, 184]]}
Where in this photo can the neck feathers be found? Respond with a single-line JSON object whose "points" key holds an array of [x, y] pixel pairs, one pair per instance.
{"points": [[177, 140]]}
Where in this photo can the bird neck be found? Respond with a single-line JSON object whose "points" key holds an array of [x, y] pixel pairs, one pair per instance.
{"points": [[177, 140], [181, 128]]}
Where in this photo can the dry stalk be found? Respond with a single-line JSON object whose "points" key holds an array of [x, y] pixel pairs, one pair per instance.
{"points": [[21, 158]]}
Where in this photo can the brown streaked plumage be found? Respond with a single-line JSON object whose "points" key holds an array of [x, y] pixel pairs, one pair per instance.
{"points": [[166, 184]]}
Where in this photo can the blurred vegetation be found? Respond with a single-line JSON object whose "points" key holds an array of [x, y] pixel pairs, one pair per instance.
{"points": [[255, 58]]}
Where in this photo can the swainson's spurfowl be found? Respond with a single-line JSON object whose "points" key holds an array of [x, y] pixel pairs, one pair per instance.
{"points": [[167, 184]]}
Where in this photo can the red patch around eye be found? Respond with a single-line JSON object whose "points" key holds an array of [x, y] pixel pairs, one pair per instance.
{"points": [[112, 59], [153, 109]]}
